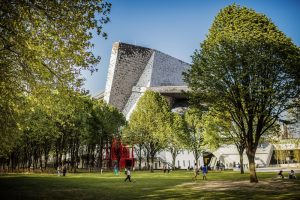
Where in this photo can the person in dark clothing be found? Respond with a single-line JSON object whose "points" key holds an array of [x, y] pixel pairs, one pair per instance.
{"points": [[64, 170], [165, 168], [204, 171], [281, 174], [128, 173]]}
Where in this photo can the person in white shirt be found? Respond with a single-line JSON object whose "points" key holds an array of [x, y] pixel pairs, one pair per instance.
{"points": [[128, 173], [292, 175]]}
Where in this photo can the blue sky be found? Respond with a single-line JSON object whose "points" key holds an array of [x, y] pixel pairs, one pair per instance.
{"points": [[177, 27]]}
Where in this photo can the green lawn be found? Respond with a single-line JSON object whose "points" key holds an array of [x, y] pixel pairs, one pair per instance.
{"points": [[176, 185]]}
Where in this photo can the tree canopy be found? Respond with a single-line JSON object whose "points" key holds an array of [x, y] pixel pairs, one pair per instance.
{"points": [[194, 135], [44, 46]]}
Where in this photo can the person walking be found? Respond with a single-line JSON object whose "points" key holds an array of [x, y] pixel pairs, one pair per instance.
{"points": [[64, 170], [128, 173], [196, 173], [204, 171], [116, 170]]}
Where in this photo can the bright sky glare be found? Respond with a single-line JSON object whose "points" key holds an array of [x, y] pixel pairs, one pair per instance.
{"points": [[177, 27]]}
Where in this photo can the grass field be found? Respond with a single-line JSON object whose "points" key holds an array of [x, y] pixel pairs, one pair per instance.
{"points": [[146, 185]]}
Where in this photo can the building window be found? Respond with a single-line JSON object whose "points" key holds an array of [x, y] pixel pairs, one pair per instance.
{"points": [[184, 163], [159, 163], [178, 163]]}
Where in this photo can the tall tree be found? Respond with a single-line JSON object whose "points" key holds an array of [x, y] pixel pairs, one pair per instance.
{"points": [[104, 126], [249, 68], [44, 44], [178, 130], [193, 138], [151, 119]]}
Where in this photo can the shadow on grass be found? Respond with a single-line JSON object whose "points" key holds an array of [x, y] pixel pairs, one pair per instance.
{"points": [[268, 189]]}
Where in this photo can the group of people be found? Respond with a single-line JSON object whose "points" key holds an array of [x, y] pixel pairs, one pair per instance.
{"points": [[292, 174], [204, 170], [220, 166], [62, 169]]}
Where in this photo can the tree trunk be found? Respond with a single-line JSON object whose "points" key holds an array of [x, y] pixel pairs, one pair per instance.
{"points": [[196, 155], [241, 162], [174, 155], [140, 163], [46, 160], [251, 157], [138, 152], [100, 154], [41, 163], [59, 158], [152, 163], [76, 157], [140, 157], [147, 158]]}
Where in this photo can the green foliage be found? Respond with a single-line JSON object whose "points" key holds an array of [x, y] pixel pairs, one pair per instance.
{"points": [[150, 123], [105, 120], [193, 138], [246, 67], [175, 141], [64, 123], [178, 131], [216, 130], [44, 45], [220, 129]]}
